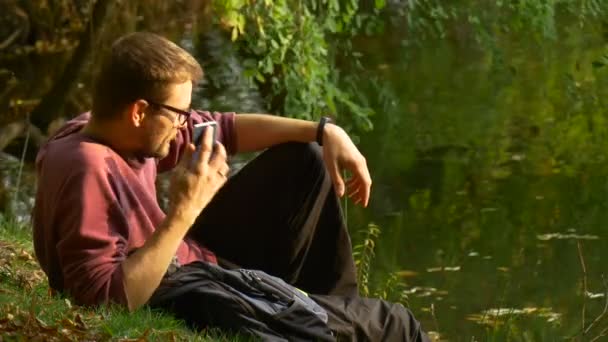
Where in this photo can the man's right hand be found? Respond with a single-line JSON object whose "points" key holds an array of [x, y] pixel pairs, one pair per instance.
{"points": [[193, 185], [195, 182]]}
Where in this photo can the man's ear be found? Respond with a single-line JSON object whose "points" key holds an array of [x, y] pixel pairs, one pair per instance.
{"points": [[136, 111]]}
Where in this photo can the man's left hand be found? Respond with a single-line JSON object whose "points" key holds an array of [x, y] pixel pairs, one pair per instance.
{"points": [[339, 152]]}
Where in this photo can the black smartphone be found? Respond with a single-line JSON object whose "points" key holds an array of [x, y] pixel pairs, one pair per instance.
{"points": [[197, 136]]}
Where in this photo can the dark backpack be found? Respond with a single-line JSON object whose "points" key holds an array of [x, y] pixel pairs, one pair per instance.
{"points": [[246, 301]]}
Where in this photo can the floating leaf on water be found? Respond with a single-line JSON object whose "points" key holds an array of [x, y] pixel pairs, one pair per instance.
{"points": [[518, 157], [501, 315], [592, 295], [487, 257], [425, 291], [503, 269], [569, 236], [539, 198], [444, 269], [407, 273], [434, 336], [473, 254]]}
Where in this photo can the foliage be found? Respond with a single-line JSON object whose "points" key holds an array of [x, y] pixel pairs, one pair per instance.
{"points": [[391, 286], [488, 21], [393, 289], [364, 253], [289, 49]]}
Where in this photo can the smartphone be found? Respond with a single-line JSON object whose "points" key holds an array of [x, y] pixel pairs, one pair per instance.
{"points": [[197, 136]]}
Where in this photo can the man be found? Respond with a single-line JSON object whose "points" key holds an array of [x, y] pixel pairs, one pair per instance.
{"points": [[101, 237]]}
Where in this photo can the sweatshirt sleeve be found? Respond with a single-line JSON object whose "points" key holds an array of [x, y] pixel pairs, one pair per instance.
{"points": [[92, 239], [226, 134]]}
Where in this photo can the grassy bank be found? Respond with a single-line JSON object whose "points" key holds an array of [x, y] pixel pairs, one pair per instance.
{"points": [[28, 310]]}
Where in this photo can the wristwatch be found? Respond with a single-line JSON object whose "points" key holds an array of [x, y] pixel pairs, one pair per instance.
{"points": [[324, 120]]}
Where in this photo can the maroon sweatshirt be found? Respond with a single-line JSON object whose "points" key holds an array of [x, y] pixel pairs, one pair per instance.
{"points": [[93, 207]]}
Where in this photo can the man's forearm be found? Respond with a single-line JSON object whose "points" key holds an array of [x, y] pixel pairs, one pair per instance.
{"points": [[256, 132], [144, 269]]}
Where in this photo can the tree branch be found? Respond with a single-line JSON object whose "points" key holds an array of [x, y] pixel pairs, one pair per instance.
{"points": [[13, 130]]}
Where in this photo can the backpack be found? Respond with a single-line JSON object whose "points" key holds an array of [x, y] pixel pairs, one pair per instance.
{"points": [[241, 300]]}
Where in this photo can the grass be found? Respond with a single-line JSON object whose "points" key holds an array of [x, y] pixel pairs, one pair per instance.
{"points": [[28, 310]]}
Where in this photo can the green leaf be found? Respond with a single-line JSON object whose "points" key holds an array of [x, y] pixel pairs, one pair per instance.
{"points": [[260, 77], [235, 34]]}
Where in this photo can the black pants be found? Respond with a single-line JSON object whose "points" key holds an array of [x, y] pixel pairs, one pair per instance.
{"points": [[280, 214]]}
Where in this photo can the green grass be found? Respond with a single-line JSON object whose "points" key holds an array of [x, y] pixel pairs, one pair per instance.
{"points": [[28, 310]]}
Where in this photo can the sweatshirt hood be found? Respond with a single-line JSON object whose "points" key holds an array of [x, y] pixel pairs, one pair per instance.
{"points": [[72, 126]]}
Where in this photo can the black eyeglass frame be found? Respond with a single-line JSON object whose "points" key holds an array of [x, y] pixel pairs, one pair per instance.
{"points": [[183, 114]]}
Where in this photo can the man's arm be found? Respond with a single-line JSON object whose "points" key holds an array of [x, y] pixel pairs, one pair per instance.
{"points": [[192, 188], [144, 269], [255, 132]]}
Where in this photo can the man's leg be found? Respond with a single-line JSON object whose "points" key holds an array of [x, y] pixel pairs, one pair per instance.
{"points": [[280, 214], [370, 319]]}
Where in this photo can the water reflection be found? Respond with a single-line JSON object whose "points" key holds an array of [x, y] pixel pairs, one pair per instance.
{"points": [[16, 188], [487, 172]]}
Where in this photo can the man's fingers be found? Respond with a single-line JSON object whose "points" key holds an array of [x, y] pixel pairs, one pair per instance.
{"points": [[353, 192], [334, 173], [219, 156], [224, 171], [352, 182], [206, 148], [364, 183], [186, 159], [365, 190]]}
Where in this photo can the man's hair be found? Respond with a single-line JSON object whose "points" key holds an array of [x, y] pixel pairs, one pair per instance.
{"points": [[140, 66]]}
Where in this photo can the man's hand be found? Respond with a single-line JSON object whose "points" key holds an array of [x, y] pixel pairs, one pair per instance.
{"points": [[194, 183], [339, 153]]}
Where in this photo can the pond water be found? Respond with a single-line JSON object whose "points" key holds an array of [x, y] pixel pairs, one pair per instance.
{"points": [[489, 169], [490, 175]]}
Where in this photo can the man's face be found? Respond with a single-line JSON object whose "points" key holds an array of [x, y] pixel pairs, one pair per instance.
{"points": [[160, 125]]}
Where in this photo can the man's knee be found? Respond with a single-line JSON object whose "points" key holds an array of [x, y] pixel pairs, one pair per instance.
{"points": [[297, 155], [297, 150], [400, 315]]}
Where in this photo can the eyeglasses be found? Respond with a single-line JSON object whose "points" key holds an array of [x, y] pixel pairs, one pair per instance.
{"points": [[182, 116]]}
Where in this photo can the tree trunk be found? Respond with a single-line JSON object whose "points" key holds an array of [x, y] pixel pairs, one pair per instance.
{"points": [[52, 104]]}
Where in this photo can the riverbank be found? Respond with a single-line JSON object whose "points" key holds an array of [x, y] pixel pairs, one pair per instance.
{"points": [[28, 310]]}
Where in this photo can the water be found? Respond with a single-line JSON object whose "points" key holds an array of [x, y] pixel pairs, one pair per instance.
{"points": [[476, 157]]}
